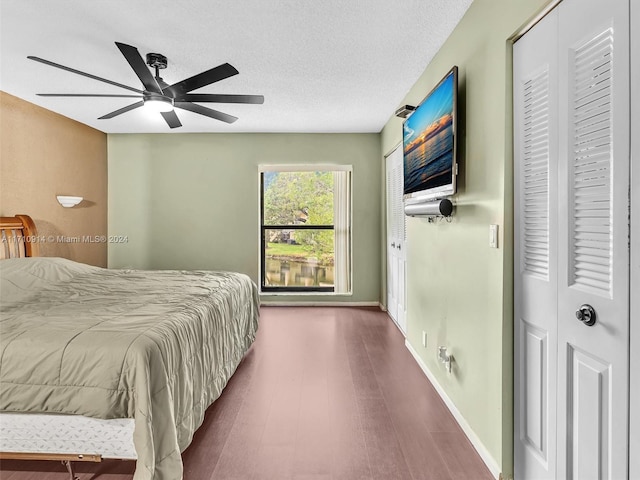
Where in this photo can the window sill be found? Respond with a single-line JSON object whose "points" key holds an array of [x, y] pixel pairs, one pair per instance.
{"points": [[305, 294]]}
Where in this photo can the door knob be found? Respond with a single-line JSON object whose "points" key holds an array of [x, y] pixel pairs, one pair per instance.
{"points": [[393, 244], [399, 247], [586, 314]]}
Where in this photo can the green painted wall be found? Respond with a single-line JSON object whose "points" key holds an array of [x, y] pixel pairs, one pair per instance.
{"points": [[459, 290], [190, 201]]}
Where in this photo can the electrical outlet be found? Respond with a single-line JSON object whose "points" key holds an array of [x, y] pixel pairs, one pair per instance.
{"points": [[424, 339], [444, 357]]}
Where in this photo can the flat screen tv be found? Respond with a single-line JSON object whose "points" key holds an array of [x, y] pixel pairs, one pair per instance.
{"points": [[429, 144]]}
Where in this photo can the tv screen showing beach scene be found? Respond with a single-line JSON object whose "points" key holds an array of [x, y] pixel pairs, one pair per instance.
{"points": [[429, 142]]}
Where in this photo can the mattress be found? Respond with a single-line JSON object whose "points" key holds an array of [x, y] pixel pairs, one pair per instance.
{"points": [[70, 434], [156, 347]]}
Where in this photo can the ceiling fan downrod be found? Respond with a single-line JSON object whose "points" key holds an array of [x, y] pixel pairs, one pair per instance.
{"points": [[157, 61]]}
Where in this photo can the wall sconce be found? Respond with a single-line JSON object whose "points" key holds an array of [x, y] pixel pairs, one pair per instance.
{"points": [[67, 201], [404, 111]]}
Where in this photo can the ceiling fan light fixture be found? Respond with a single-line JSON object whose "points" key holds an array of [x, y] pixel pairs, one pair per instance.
{"points": [[158, 104]]}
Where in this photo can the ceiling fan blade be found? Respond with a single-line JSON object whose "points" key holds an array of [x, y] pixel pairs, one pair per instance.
{"points": [[84, 74], [218, 98], [139, 67], [172, 119], [205, 78], [86, 95], [208, 112], [122, 110]]}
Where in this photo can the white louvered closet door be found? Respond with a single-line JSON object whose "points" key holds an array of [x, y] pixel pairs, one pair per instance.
{"points": [[535, 103], [572, 162], [396, 234], [593, 258]]}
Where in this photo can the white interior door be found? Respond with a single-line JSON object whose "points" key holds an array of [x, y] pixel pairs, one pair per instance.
{"points": [[396, 271], [593, 256], [535, 287], [571, 76]]}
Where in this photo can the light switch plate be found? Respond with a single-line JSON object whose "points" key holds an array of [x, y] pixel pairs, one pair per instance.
{"points": [[493, 236]]}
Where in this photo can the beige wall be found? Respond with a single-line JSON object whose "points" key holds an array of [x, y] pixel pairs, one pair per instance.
{"points": [[43, 154], [190, 201], [459, 290]]}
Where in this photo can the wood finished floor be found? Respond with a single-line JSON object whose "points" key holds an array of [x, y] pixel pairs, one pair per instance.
{"points": [[324, 393]]}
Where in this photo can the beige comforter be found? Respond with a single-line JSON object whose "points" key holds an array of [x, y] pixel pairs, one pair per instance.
{"points": [[155, 346]]}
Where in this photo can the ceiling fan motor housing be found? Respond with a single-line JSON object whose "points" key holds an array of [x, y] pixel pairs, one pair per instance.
{"points": [[156, 60]]}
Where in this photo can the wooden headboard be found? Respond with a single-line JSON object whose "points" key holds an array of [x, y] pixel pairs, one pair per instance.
{"points": [[19, 237]]}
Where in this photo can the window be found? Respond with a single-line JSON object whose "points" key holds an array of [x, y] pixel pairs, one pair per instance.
{"points": [[305, 234]]}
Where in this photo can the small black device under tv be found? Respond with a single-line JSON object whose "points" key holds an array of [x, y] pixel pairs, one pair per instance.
{"points": [[429, 144]]}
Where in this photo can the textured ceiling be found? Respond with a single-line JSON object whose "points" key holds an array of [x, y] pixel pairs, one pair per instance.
{"points": [[322, 66]]}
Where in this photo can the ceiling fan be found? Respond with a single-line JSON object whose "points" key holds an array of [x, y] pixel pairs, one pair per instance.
{"points": [[160, 96]]}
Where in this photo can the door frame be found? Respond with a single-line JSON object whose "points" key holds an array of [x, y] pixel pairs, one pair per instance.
{"points": [[634, 312]]}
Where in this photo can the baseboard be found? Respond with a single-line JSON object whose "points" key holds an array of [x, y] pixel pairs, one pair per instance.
{"points": [[491, 464], [382, 307], [276, 303]]}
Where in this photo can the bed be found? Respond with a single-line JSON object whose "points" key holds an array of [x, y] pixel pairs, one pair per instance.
{"points": [[100, 363]]}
